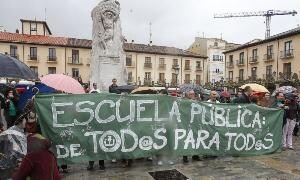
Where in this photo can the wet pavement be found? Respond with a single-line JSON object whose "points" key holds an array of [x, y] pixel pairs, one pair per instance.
{"points": [[282, 165]]}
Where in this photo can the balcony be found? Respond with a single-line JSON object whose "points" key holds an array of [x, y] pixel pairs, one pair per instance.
{"points": [[198, 69], [198, 82], [129, 64], [162, 66], [33, 58], [229, 64], [130, 79], [14, 56], [287, 54], [161, 81], [51, 59], [147, 65], [75, 61], [147, 82], [239, 79], [269, 57], [187, 68], [174, 66], [253, 60], [240, 63]]}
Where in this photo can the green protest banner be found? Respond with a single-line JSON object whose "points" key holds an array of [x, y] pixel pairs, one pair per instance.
{"points": [[108, 126]]}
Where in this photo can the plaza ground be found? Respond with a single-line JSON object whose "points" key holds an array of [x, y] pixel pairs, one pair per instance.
{"points": [[283, 165]]}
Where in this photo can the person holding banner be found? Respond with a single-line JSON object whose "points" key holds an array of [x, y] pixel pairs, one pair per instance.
{"points": [[191, 96]]}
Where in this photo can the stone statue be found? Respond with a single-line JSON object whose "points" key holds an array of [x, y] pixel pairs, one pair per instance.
{"points": [[108, 58]]}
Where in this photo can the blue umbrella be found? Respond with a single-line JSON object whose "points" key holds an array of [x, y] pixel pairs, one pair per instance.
{"points": [[13, 68], [43, 89]]}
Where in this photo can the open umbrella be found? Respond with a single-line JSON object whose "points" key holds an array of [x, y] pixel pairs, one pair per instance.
{"points": [[188, 87], [285, 90], [126, 88], [256, 87], [13, 68], [13, 147], [144, 90], [63, 83]]}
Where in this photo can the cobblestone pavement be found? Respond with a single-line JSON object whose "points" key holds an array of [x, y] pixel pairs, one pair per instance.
{"points": [[283, 165]]}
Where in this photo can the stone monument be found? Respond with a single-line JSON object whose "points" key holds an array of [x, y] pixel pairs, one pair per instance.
{"points": [[108, 57]]}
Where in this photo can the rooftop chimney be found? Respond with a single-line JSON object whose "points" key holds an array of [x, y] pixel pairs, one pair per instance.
{"points": [[17, 31], [132, 41]]}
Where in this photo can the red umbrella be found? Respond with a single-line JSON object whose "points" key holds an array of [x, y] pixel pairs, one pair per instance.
{"points": [[63, 83]]}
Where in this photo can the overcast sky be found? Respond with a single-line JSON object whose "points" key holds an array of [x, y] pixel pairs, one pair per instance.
{"points": [[174, 22]]}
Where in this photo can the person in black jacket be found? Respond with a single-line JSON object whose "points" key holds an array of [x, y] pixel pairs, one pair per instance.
{"points": [[244, 97], [10, 109], [113, 87]]}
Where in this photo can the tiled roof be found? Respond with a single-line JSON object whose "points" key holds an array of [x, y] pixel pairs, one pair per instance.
{"points": [[285, 34], [153, 49], [85, 43]]}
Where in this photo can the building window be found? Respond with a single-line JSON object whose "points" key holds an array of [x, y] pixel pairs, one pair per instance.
{"points": [[147, 60], [187, 78], [161, 60], [217, 71], [198, 79], [254, 55], [33, 26], [218, 58], [187, 65], [216, 44], [130, 79], [254, 73], [230, 73], [288, 46], [231, 60], [34, 69], [52, 54], [33, 53], [175, 62], [198, 64], [241, 74], [242, 54], [162, 77], [287, 70], [270, 50], [75, 56], [51, 70], [129, 60], [14, 51], [75, 72], [269, 70], [148, 75]]}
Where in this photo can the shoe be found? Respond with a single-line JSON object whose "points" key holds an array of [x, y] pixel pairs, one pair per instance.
{"points": [[102, 167], [160, 163], [185, 159], [90, 168], [284, 148], [196, 158], [291, 148], [113, 160], [149, 159]]}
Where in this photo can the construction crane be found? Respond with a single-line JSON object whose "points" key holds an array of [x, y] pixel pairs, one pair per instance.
{"points": [[268, 14]]}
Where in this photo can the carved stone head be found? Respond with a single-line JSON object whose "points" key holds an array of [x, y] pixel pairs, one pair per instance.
{"points": [[107, 12]]}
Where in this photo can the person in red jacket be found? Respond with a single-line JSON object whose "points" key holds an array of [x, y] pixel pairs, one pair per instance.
{"points": [[39, 163]]}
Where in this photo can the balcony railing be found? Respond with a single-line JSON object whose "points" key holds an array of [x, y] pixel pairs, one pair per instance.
{"points": [[14, 56], [148, 65], [129, 64], [51, 58], [199, 69], [32, 58], [240, 63], [239, 79], [188, 81], [269, 57], [253, 60], [229, 64], [76, 61], [130, 79], [174, 66], [187, 68], [162, 66], [147, 81], [287, 54], [198, 82]]}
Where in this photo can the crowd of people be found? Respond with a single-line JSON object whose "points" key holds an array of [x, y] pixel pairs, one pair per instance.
{"points": [[30, 161]]}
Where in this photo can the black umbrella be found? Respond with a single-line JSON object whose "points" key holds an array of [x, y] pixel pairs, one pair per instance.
{"points": [[126, 88], [14, 68]]}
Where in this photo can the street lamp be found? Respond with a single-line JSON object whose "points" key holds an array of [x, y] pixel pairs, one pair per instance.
{"points": [[176, 68]]}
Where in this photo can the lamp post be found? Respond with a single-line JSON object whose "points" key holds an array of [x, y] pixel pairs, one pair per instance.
{"points": [[176, 69], [222, 82]]}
